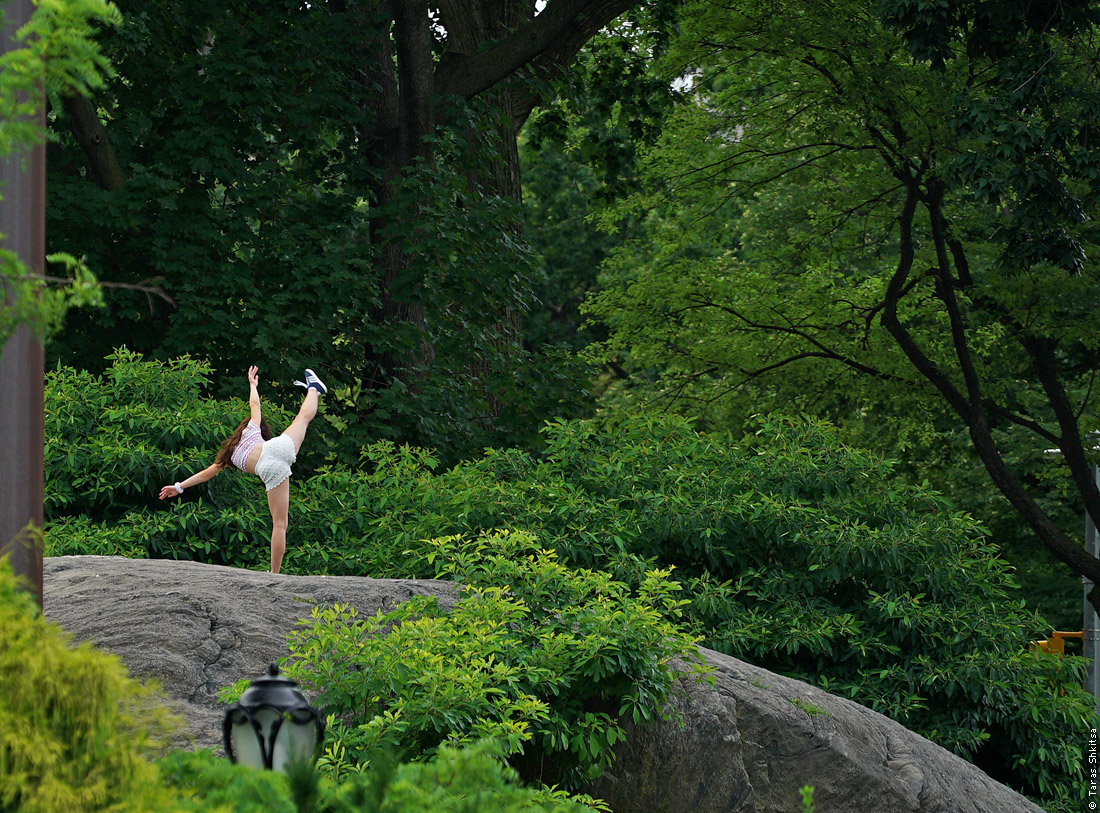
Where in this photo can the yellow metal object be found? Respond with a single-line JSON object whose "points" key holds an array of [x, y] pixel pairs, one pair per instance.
{"points": [[1056, 643]]}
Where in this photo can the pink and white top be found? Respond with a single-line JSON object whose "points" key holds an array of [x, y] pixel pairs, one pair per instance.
{"points": [[249, 438]]}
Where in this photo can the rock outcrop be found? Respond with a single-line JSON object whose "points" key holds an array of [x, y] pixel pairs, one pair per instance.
{"points": [[748, 742], [196, 629], [753, 739]]}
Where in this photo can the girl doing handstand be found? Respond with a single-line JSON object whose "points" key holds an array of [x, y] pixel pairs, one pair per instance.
{"points": [[251, 449]]}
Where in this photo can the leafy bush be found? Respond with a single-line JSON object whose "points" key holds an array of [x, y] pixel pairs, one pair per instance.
{"points": [[795, 552], [204, 782], [458, 779], [113, 440], [540, 657], [75, 730]]}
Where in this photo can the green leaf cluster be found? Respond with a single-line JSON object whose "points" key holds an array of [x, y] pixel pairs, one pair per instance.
{"points": [[457, 780], [60, 53], [540, 657]]}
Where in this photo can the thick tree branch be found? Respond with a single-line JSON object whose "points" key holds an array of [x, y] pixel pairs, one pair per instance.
{"points": [[103, 167], [548, 41], [894, 291], [945, 287], [1045, 364], [413, 46], [973, 415], [1027, 423]]}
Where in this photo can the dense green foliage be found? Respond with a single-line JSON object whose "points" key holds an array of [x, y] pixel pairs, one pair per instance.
{"points": [[794, 552], [458, 780], [820, 192], [75, 731], [580, 151], [59, 53], [545, 659]]}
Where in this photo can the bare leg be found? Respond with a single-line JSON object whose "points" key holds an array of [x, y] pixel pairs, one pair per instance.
{"points": [[297, 428], [278, 501]]}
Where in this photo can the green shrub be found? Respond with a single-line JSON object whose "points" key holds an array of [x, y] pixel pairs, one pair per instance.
{"points": [[458, 780], [201, 781], [539, 657], [113, 440], [795, 552], [75, 730]]}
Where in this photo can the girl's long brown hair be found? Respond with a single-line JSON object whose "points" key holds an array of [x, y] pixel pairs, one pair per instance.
{"points": [[230, 443]]}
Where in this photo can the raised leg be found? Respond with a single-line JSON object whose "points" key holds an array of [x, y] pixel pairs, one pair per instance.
{"points": [[278, 501], [308, 411]]}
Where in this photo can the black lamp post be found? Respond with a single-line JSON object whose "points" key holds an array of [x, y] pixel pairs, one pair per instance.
{"points": [[272, 724]]}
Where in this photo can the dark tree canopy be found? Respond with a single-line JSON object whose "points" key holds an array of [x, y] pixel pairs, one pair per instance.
{"points": [[334, 184]]}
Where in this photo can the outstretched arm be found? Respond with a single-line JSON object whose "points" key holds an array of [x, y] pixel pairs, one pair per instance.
{"points": [[171, 491], [254, 394]]}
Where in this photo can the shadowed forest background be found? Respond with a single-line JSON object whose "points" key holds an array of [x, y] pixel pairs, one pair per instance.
{"points": [[792, 298]]}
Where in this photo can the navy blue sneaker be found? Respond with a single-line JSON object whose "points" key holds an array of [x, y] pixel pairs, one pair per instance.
{"points": [[312, 382]]}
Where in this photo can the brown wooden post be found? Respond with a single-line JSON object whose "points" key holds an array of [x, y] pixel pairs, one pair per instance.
{"points": [[23, 224]]}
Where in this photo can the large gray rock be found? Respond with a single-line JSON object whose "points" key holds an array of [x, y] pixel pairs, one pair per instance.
{"points": [[748, 743], [196, 629], [753, 739]]}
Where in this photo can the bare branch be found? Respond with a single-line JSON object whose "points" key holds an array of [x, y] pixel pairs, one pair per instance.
{"points": [[150, 291], [547, 40]]}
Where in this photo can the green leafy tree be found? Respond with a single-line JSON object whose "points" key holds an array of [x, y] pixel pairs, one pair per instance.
{"points": [[580, 150], [333, 184], [899, 244]]}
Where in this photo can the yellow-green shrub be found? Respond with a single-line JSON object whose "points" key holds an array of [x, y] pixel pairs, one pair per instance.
{"points": [[75, 729]]}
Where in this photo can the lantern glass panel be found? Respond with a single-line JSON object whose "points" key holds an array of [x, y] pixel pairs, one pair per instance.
{"points": [[295, 742], [249, 747]]}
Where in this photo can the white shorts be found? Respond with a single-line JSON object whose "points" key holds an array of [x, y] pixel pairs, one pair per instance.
{"points": [[276, 458]]}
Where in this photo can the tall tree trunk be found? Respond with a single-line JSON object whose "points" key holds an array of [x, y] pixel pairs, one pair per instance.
{"points": [[398, 62], [488, 42], [23, 225]]}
